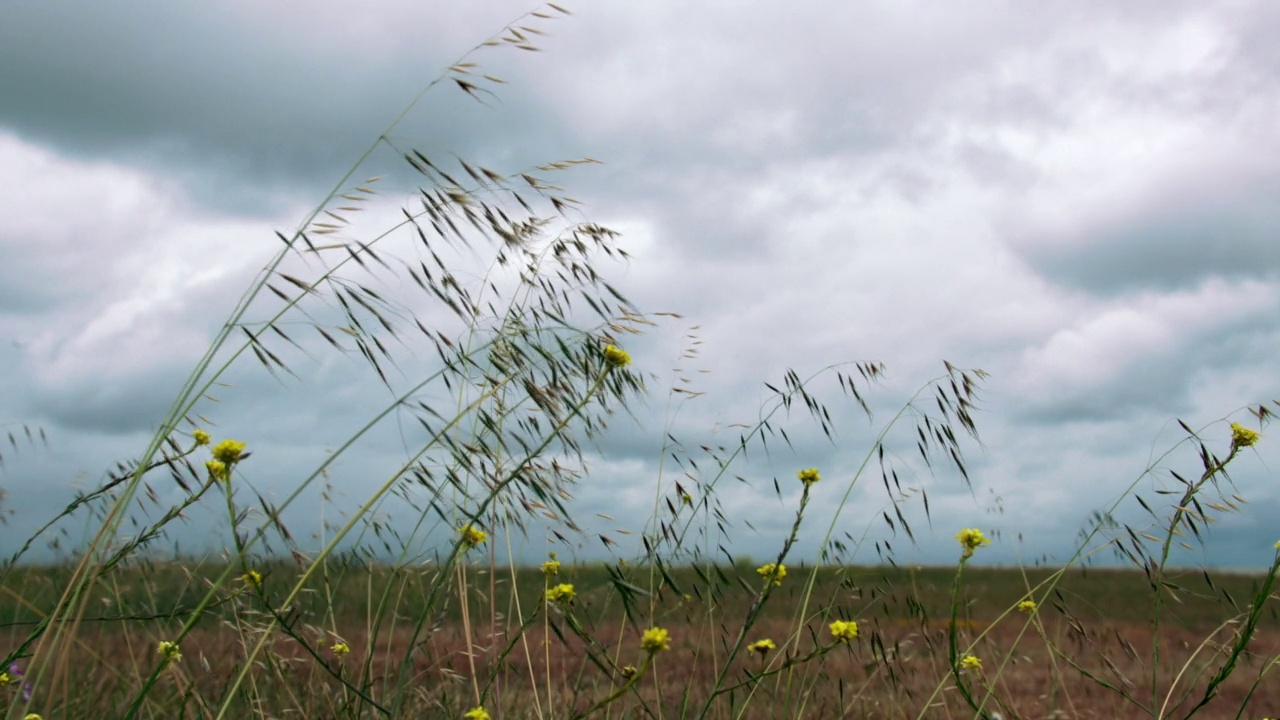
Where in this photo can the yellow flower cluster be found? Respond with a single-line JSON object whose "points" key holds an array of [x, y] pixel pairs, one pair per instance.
{"points": [[971, 662], [1027, 606], [169, 650], [762, 646], [772, 573], [340, 649], [1242, 436], [654, 640], [971, 539], [472, 535], [201, 437], [616, 357], [253, 577], [551, 568], [218, 471], [844, 630], [228, 451], [809, 476], [225, 455], [476, 713], [562, 594]]}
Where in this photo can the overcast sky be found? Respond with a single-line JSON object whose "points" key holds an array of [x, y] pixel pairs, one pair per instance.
{"points": [[1079, 198]]}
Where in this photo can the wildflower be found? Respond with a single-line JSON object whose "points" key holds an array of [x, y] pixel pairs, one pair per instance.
{"points": [[5, 679], [629, 671], [809, 476], [686, 498], [33, 716], [616, 357], [971, 662], [562, 593], [477, 713], [844, 630], [1242, 436], [1027, 606], [169, 650], [1278, 544], [472, 535], [772, 573], [340, 649], [971, 539], [551, 568], [218, 470], [228, 451], [655, 640], [201, 437], [762, 646], [15, 676], [253, 577]]}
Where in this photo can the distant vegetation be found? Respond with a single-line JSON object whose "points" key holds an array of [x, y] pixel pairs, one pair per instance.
{"points": [[483, 309]]}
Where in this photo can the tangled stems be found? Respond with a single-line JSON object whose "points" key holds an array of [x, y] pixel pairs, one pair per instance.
{"points": [[1241, 437], [791, 662], [970, 539], [622, 689], [771, 579], [512, 475]]}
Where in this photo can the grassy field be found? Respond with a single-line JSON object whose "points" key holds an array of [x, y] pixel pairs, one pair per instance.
{"points": [[1099, 618]]}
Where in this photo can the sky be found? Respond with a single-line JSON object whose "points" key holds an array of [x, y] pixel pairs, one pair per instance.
{"points": [[1079, 199]]}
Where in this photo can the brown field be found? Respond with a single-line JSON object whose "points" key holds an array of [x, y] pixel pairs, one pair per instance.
{"points": [[896, 668]]}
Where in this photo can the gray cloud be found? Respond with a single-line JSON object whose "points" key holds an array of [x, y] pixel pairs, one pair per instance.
{"points": [[1176, 242]]}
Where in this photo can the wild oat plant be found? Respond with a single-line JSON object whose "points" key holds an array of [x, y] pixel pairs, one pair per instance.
{"points": [[503, 367]]}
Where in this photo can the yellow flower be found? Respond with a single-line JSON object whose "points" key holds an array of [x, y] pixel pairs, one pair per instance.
{"points": [[562, 593], [809, 476], [844, 630], [202, 437], [228, 451], [971, 539], [971, 662], [1242, 436], [5, 679], [218, 470], [1278, 544], [169, 650], [472, 535], [1027, 606], [340, 649], [32, 716], [686, 498], [551, 568], [616, 357], [253, 577], [762, 646], [477, 713], [655, 640], [628, 671], [772, 573]]}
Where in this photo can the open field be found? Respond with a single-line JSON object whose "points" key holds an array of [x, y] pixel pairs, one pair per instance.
{"points": [[1097, 618]]}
